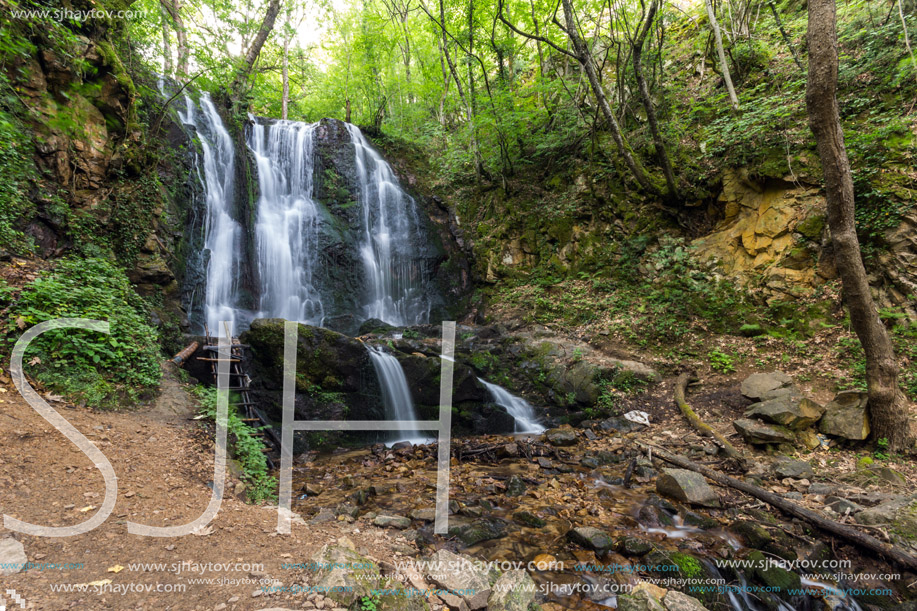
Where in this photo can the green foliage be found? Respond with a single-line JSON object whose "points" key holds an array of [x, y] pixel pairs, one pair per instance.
{"points": [[247, 447], [881, 452], [904, 338], [720, 361], [369, 603], [98, 368], [16, 172]]}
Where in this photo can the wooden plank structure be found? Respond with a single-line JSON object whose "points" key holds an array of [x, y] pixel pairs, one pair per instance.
{"points": [[239, 387]]}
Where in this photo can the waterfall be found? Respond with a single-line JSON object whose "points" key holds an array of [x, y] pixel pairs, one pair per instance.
{"points": [[396, 395], [396, 290], [288, 221], [294, 255], [517, 407], [222, 233]]}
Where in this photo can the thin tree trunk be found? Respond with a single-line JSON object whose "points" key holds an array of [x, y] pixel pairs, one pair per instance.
{"points": [[471, 91], [541, 75], [722, 55], [181, 36], [888, 414], [254, 50], [585, 59], [907, 40], [285, 75], [637, 57], [347, 110], [479, 160], [446, 81], [786, 39], [166, 43]]}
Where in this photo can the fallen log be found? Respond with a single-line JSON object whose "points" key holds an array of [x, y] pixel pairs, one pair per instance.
{"points": [[180, 358], [704, 429], [890, 552]]}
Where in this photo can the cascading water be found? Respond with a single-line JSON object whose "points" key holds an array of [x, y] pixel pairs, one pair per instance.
{"points": [[517, 407], [222, 233], [396, 291], [288, 222], [396, 396]]}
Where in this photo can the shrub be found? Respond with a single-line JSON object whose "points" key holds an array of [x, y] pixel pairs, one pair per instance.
{"points": [[97, 368], [246, 447]]}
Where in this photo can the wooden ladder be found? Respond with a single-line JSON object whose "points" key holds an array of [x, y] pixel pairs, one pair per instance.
{"points": [[240, 395]]}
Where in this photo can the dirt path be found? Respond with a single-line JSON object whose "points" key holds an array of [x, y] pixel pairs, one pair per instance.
{"points": [[164, 465]]}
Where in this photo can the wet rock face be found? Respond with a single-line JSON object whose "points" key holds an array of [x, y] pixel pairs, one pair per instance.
{"points": [[336, 380]]}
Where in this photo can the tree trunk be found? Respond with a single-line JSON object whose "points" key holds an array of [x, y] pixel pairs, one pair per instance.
{"points": [[637, 58], [907, 40], [347, 110], [722, 54], [786, 38], [888, 415], [479, 160], [166, 43], [181, 35], [585, 59], [285, 75], [254, 50]]}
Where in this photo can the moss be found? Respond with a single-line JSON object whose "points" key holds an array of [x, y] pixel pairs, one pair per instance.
{"points": [[812, 226], [688, 566]]}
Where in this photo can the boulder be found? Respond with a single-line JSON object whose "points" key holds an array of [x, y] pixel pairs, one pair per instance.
{"points": [[591, 538], [637, 369], [846, 416], [755, 535], [392, 521], [757, 384], [622, 425], [345, 575], [513, 591], [633, 546], [424, 515], [644, 597], [796, 469], [515, 486], [482, 529], [686, 486], [528, 519], [771, 575], [757, 432], [900, 516], [676, 601], [461, 574], [788, 409], [12, 556], [841, 506], [561, 437]]}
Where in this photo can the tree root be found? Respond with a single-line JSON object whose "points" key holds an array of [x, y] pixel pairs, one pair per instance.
{"points": [[681, 384]]}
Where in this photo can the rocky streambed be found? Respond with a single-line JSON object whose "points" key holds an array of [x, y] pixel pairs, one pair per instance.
{"points": [[589, 518]]}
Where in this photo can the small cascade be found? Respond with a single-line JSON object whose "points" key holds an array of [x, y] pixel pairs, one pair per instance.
{"points": [[222, 233], [287, 229], [517, 407], [390, 248], [396, 395]]}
